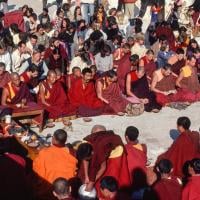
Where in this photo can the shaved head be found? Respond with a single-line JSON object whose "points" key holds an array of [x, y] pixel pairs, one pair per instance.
{"points": [[98, 128], [51, 77], [51, 72], [14, 75], [15, 78]]}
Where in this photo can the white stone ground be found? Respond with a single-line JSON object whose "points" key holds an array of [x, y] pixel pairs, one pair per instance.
{"points": [[154, 128]]}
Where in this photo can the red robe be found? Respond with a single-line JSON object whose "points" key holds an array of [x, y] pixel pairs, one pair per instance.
{"points": [[58, 100], [191, 190], [168, 189], [85, 99], [124, 67], [136, 159], [185, 148], [103, 143]]}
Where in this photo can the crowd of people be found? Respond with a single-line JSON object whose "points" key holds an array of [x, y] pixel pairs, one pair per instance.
{"points": [[92, 58]]}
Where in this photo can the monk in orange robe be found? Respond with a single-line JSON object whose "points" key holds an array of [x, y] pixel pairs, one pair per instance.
{"points": [[178, 153], [53, 97], [103, 155], [191, 190], [82, 95], [55, 161], [136, 153]]}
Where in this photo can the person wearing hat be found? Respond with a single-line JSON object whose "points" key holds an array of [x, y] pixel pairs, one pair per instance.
{"points": [[139, 47]]}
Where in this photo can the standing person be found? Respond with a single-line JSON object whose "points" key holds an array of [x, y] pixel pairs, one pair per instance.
{"points": [[129, 8], [4, 6], [87, 7], [44, 2], [191, 190]]}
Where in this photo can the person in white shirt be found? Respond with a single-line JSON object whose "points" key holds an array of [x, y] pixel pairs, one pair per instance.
{"points": [[5, 56], [139, 47], [32, 43], [19, 56]]}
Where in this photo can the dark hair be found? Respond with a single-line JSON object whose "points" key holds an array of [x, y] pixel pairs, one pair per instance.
{"points": [[164, 166], [111, 73], [75, 68], [59, 10], [2, 64], [33, 36], [61, 186], [132, 133], [84, 151], [190, 57], [67, 23], [86, 70], [33, 68], [134, 58], [150, 51], [75, 10], [184, 122], [167, 66], [106, 49], [21, 43], [14, 27], [39, 26], [162, 38], [195, 164], [60, 136], [41, 48], [46, 10], [180, 51], [109, 183], [34, 16], [56, 51]]}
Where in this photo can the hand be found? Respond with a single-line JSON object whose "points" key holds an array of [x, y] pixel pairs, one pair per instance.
{"points": [[144, 101], [89, 186], [87, 180]]}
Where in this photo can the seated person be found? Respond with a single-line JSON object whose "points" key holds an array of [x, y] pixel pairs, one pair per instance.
{"points": [[108, 188], [177, 153], [136, 152], [82, 95], [188, 79], [137, 85], [109, 92], [164, 85], [148, 63], [4, 77], [71, 78], [102, 155], [167, 186], [15, 91], [53, 97], [62, 189], [55, 161], [191, 190], [177, 61]]}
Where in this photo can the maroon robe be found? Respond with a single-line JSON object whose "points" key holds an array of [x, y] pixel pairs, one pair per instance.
{"points": [[191, 190], [57, 98], [168, 189], [4, 79], [113, 95], [124, 67], [185, 148]]}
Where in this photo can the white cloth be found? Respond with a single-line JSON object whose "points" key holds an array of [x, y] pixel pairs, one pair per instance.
{"points": [[77, 62], [87, 1], [18, 59], [104, 64], [140, 50], [6, 58]]}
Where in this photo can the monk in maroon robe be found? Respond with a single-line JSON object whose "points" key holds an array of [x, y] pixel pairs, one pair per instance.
{"points": [[83, 95], [123, 68], [15, 91], [136, 152], [184, 148], [191, 190], [107, 158], [167, 187], [53, 97]]}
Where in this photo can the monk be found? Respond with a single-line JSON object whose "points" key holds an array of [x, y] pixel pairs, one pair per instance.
{"points": [[82, 95], [136, 152], [123, 68], [191, 190], [178, 154], [109, 92], [137, 85], [4, 77], [188, 79], [167, 186], [164, 85], [56, 161], [103, 155], [148, 63], [71, 78], [15, 92], [53, 97]]}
